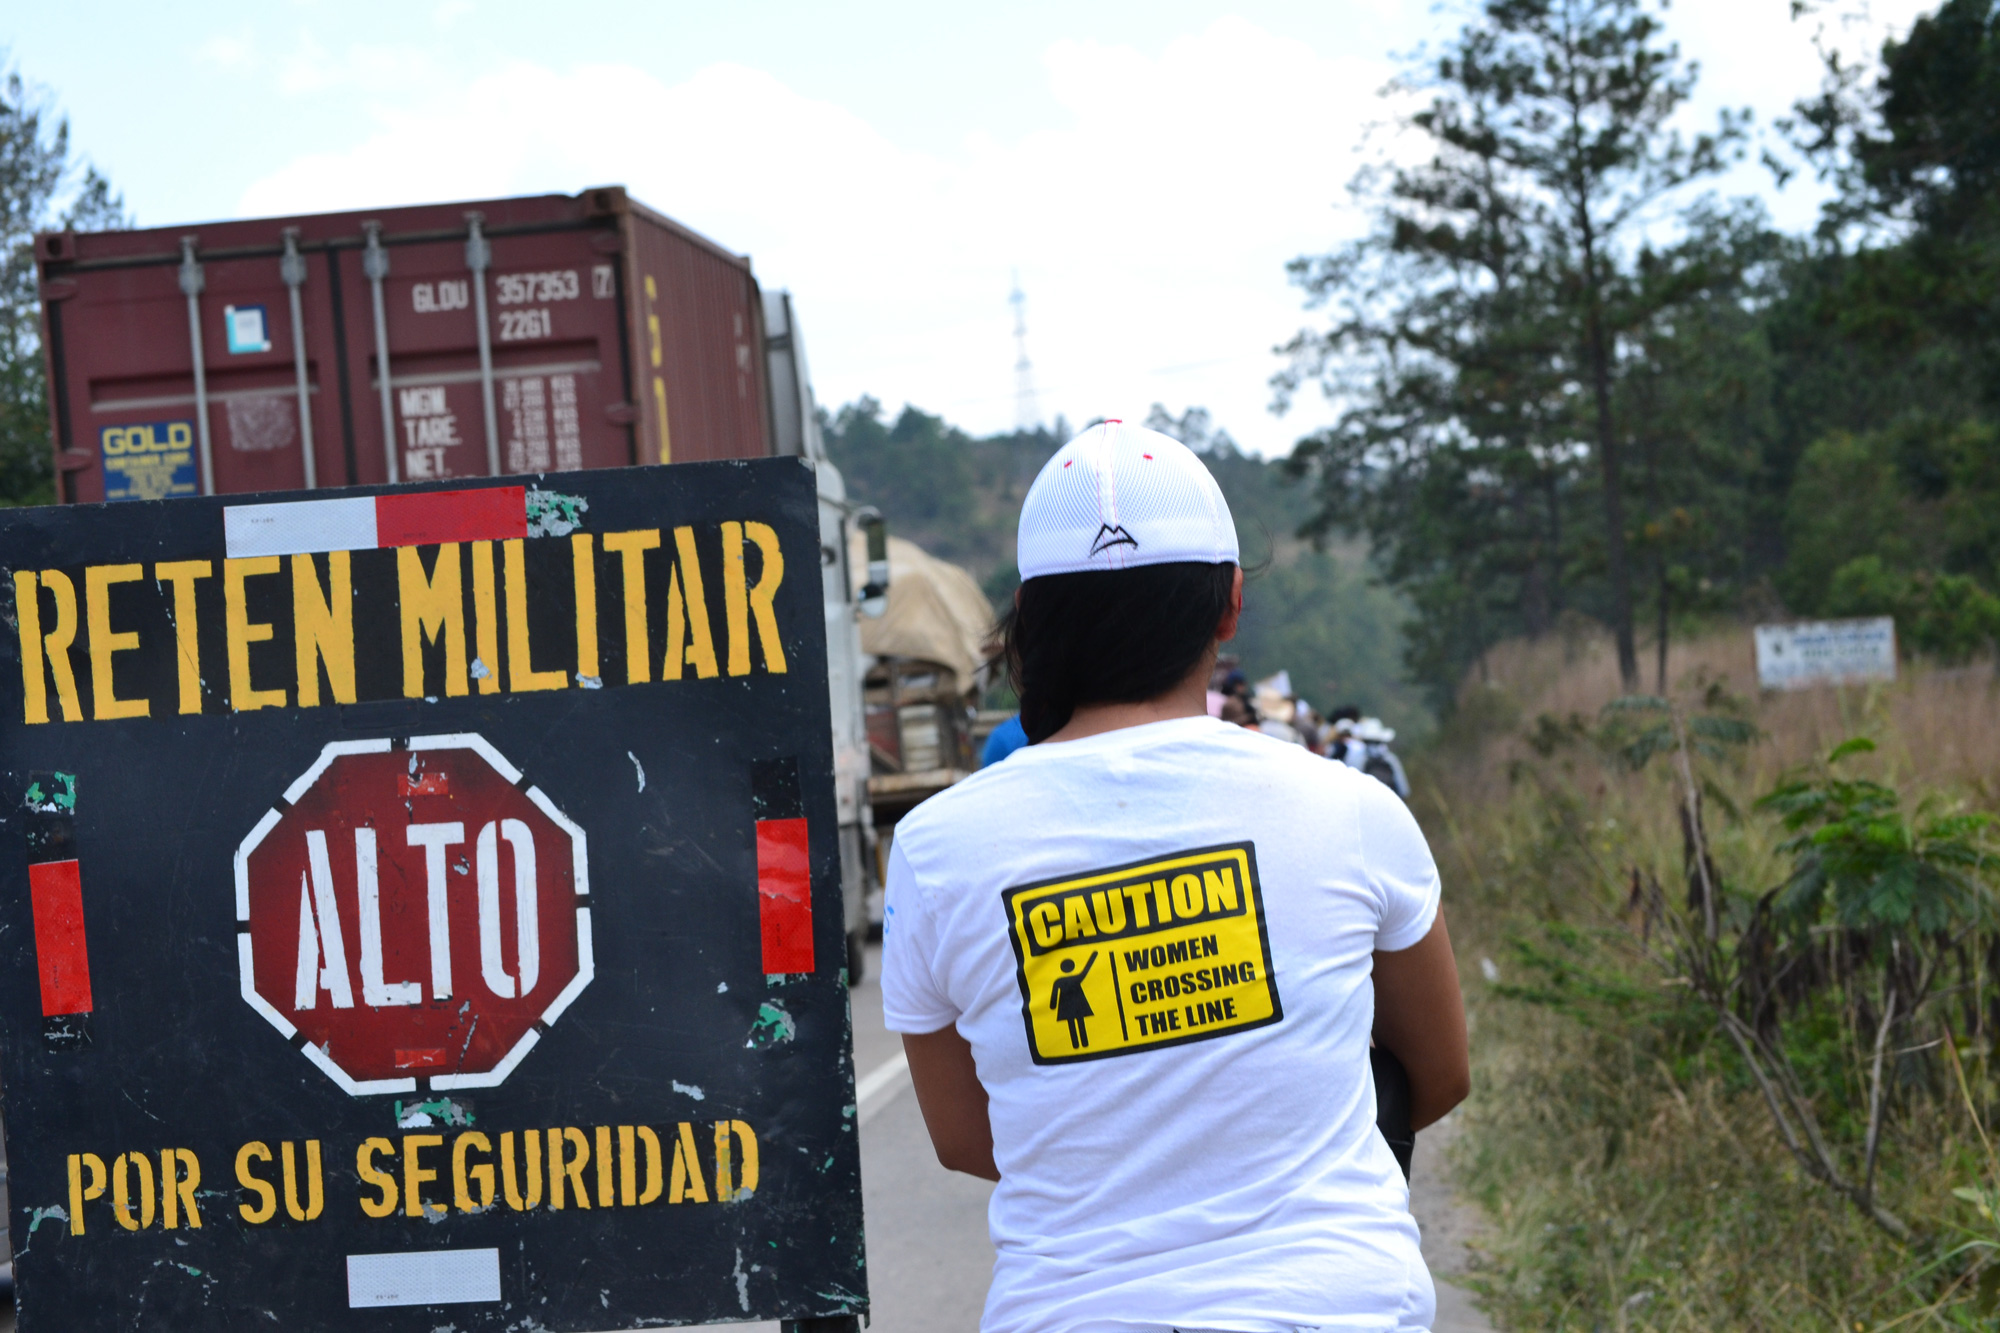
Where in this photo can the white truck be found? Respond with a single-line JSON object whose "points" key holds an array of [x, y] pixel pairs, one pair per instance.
{"points": [[795, 431]]}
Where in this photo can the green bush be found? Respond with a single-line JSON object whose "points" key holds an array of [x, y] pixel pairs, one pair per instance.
{"points": [[1947, 615]]}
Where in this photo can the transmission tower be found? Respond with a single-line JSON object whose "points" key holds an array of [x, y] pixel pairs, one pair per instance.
{"points": [[1027, 415]]}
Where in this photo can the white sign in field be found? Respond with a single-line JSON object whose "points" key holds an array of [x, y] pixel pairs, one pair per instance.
{"points": [[1825, 652]]}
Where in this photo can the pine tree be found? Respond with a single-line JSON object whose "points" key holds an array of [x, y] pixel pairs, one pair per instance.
{"points": [[1487, 324]]}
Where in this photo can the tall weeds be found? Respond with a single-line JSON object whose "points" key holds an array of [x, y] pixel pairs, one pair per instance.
{"points": [[1663, 1135]]}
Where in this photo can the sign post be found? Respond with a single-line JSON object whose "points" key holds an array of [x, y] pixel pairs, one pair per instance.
{"points": [[424, 910]]}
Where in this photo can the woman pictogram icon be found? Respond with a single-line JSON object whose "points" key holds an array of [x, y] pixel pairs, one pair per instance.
{"points": [[1072, 1006]]}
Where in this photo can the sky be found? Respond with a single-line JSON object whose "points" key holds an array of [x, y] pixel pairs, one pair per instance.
{"points": [[1146, 169]]}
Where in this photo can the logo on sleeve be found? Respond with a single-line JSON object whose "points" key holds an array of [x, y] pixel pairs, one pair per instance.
{"points": [[1156, 953]]}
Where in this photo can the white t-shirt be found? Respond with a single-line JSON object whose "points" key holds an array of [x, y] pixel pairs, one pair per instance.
{"points": [[1158, 942]]}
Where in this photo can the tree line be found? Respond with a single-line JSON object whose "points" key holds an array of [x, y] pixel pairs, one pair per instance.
{"points": [[1575, 380], [44, 186], [1314, 613]]}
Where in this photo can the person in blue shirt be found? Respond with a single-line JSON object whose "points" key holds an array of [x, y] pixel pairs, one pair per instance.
{"points": [[1008, 737]]}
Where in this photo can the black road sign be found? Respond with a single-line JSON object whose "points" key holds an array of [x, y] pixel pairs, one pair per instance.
{"points": [[424, 909]]}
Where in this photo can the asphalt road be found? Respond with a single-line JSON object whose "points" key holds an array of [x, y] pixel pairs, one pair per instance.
{"points": [[929, 1260]]}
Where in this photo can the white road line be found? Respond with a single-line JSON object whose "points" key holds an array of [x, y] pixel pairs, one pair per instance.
{"points": [[879, 1086]]}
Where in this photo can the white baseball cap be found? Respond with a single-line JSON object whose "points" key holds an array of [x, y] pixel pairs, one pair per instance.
{"points": [[1118, 496]]}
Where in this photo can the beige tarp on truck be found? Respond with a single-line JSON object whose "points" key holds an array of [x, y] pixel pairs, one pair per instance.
{"points": [[936, 611]]}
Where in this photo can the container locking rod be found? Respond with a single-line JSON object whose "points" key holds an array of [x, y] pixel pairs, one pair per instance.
{"points": [[292, 268], [192, 282], [478, 257], [375, 263]]}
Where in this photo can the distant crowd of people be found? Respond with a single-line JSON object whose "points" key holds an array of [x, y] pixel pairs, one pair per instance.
{"points": [[1271, 707]]}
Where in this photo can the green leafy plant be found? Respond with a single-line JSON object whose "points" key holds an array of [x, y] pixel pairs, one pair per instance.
{"points": [[1861, 863], [1875, 909], [1881, 903]]}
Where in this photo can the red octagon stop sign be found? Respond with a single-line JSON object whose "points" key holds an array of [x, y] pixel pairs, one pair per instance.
{"points": [[413, 911]]}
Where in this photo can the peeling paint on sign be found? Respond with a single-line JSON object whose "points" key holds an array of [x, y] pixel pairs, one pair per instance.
{"points": [[553, 514], [53, 802], [423, 1115], [773, 1025]]}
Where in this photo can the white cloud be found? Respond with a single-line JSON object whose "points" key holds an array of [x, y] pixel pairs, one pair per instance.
{"points": [[1150, 230], [1150, 224], [232, 50], [1757, 55]]}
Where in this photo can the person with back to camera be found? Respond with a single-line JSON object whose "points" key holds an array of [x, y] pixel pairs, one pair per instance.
{"points": [[1343, 745], [1137, 966]]}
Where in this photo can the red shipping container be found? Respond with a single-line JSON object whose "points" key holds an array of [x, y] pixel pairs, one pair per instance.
{"points": [[522, 335]]}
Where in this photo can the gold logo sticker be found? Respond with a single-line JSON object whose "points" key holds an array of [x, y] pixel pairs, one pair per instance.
{"points": [[1156, 953]]}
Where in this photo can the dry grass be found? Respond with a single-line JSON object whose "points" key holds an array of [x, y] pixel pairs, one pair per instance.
{"points": [[1633, 1175], [1938, 726]]}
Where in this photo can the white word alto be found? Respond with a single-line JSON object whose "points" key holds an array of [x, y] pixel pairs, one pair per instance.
{"points": [[323, 948]]}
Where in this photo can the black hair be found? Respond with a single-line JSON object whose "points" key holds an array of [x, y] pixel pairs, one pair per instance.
{"points": [[1109, 636], [1345, 713]]}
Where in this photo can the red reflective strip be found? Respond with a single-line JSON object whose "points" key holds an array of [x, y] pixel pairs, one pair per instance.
{"points": [[57, 893], [784, 895], [492, 514]]}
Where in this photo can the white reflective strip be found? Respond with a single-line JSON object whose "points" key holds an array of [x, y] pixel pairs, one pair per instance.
{"points": [[246, 967], [325, 760], [249, 845], [579, 855], [468, 740], [352, 1087], [299, 527], [494, 1077], [586, 968], [422, 1277]]}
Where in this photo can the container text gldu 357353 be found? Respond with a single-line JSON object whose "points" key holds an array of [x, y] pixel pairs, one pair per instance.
{"points": [[453, 340]]}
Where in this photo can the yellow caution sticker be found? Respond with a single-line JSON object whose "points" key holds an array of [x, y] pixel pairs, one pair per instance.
{"points": [[1155, 953]]}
